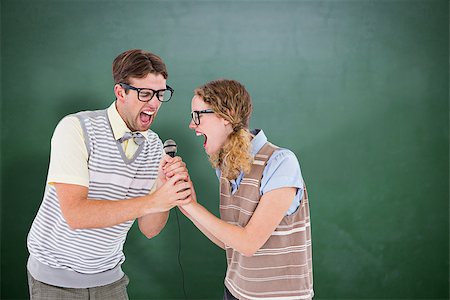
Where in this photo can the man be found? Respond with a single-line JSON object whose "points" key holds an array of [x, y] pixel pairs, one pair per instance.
{"points": [[106, 169]]}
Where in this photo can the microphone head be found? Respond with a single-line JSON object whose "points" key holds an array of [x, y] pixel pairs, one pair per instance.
{"points": [[170, 148]]}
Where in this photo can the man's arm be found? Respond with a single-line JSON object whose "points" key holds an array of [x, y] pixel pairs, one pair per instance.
{"points": [[151, 224], [81, 212], [68, 172]]}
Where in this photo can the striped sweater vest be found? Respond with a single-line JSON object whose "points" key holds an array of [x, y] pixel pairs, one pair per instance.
{"points": [[112, 176], [282, 267]]}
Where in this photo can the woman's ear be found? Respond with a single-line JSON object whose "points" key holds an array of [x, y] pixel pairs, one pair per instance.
{"points": [[228, 126]]}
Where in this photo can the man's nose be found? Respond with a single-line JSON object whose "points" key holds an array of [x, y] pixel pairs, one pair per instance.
{"points": [[154, 102]]}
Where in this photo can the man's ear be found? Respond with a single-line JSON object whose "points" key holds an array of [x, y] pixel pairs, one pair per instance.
{"points": [[119, 92]]}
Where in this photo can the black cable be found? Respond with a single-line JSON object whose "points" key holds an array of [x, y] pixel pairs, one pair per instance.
{"points": [[179, 252]]}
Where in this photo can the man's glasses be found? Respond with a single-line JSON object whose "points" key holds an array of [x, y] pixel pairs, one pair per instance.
{"points": [[145, 94], [196, 115]]}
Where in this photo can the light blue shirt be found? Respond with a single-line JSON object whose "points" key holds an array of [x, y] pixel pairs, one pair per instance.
{"points": [[282, 170]]}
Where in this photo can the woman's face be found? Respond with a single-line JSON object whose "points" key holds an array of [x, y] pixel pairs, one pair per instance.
{"points": [[214, 129]]}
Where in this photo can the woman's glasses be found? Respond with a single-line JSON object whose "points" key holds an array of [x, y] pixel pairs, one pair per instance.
{"points": [[196, 115]]}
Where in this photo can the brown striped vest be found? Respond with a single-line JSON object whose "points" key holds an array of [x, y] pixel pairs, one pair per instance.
{"points": [[282, 267]]}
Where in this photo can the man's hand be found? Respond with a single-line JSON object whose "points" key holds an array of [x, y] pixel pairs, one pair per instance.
{"points": [[175, 191], [169, 166]]}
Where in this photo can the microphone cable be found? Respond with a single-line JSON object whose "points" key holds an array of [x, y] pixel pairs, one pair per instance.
{"points": [[170, 148], [179, 252]]}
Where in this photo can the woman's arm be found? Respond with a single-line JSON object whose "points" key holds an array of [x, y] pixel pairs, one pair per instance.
{"points": [[203, 229], [197, 224], [271, 209]]}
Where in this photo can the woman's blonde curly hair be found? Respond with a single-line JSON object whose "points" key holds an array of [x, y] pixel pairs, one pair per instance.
{"points": [[230, 100]]}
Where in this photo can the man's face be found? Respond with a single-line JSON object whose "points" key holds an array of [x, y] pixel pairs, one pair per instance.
{"points": [[136, 114]]}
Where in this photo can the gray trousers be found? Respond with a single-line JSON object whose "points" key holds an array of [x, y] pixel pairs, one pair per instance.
{"points": [[40, 291], [227, 295]]}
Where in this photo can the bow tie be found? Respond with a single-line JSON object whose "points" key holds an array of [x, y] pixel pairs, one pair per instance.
{"points": [[136, 136]]}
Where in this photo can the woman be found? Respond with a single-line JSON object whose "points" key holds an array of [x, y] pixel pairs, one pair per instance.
{"points": [[264, 225]]}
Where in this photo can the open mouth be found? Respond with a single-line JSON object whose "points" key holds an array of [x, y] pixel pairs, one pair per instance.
{"points": [[204, 136], [146, 117]]}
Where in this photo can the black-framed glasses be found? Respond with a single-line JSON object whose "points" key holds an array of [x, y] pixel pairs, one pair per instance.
{"points": [[146, 94], [196, 115]]}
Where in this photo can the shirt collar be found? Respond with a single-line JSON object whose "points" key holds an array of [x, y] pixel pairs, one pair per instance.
{"points": [[118, 125], [258, 141]]}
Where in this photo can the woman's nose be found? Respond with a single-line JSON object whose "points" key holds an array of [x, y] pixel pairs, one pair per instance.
{"points": [[192, 124]]}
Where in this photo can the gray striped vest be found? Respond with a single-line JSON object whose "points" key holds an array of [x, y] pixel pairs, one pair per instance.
{"points": [[282, 267], [112, 176]]}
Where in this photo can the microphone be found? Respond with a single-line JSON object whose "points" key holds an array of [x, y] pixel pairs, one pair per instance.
{"points": [[170, 147]]}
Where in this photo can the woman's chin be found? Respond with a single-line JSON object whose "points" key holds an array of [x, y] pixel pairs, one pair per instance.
{"points": [[210, 150]]}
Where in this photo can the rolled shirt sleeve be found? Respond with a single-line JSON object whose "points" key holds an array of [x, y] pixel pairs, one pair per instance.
{"points": [[68, 156], [283, 170]]}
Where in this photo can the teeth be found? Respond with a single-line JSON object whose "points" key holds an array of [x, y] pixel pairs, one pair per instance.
{"points": [[198, 133], [148, 112]]}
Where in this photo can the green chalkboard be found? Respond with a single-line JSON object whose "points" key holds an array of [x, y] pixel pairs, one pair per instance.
{"points": [[357, 89]]}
